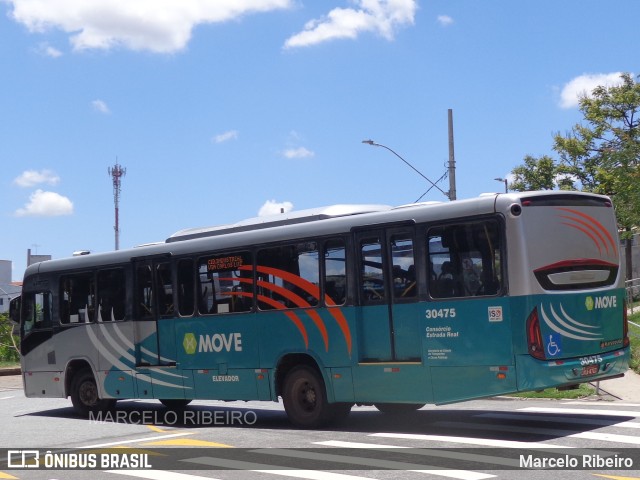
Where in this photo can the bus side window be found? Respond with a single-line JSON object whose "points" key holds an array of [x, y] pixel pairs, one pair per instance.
{"points": [[36, 311], [225, 283], [289, 276], [185, 287], [404, 269], [371, 271], [465, 259], [77, 298], [111, 294], [164, 289], [144, 297], [335, 272]]}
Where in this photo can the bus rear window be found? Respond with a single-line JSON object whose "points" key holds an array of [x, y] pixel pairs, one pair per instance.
{"points": [[571, 241]]}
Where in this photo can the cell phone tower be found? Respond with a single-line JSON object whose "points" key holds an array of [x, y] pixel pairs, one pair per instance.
{"points": [[116, 173]]}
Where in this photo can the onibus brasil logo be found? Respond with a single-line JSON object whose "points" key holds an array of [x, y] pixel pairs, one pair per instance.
{"points": [[216, 342]]}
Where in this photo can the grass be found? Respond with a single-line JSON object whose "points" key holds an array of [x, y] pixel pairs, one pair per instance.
{"points": [[5, 364], [634, 335], [583, 390]]}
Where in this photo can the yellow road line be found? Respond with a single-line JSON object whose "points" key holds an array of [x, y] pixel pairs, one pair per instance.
{"points": [[188, 442]]}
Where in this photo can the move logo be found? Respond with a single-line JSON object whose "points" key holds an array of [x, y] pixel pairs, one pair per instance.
{"points": [[189, 343], [604, 301], [215, 343]]}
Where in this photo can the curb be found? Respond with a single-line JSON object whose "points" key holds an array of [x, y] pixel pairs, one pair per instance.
{"points": [[10, 371]]}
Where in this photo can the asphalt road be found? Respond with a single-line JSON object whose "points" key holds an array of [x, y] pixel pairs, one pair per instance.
{"points": [[229, 441]]}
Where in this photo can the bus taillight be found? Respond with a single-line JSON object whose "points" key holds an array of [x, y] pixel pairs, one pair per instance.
{"points": [[534, 337], [625, 326]]}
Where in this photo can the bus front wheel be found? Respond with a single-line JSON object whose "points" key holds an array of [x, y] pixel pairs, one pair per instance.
{"points": [[398, 408], [305, 398], [84, 395]]}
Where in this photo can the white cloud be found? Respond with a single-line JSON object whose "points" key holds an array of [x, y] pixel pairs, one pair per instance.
{"points": [[379, 16], [100, 106], [162, 26], [271, 207], [48, 51], [46, 204], [584, 85], [445, 20], [226, 136], [30, 178], [299, 152]]}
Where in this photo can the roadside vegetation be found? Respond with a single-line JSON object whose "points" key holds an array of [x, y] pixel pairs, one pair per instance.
{"points": [[9, 354], [634, 335], [583, 390]]}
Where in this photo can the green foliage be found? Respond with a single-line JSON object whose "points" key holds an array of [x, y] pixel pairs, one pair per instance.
{"points": [[600, 155], [8, 341], [634, 336], [535, 174], [583, 390]]}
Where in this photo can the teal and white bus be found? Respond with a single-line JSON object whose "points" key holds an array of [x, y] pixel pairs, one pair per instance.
{"points": [[400, 307]]}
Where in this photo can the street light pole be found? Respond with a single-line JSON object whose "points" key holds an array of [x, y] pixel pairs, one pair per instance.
{"points": [[506, 185], [371, 142], [452, 160]]}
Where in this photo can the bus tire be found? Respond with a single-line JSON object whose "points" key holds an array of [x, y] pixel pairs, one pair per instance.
{"points": [[84, 395], [305, 398], [398, 408], [175, 403]]}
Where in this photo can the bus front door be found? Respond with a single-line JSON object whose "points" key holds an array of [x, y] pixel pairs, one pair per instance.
{"points": [[153, 309]]}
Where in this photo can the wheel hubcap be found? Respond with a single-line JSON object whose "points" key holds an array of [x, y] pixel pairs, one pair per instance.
{"points": [[308, 397], [88, 393]]}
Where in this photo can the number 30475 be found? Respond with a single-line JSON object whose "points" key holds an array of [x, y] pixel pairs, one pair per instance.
{"points": [[440, 313]]}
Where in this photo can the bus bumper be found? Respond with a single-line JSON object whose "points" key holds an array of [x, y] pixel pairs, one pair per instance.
{"points": [[533, 374]]}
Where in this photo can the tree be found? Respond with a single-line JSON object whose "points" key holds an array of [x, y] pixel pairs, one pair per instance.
{"points": [[8, 341], [604, 153], [540, 174], [600, 155]]}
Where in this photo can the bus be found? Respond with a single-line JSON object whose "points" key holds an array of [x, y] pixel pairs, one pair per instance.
{"points": [[396, 307]]}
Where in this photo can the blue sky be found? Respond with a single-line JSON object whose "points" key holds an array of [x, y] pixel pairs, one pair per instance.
{"points": [[224, 109]]}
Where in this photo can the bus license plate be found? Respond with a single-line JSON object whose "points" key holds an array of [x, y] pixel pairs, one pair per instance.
{"points": [[590, 370]]}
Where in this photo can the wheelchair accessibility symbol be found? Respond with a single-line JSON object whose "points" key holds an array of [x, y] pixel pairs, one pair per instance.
{"points": [[554, 345]]}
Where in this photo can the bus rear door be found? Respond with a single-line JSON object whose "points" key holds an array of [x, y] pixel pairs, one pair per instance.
{"points": [[153, 310], [389, 320]]}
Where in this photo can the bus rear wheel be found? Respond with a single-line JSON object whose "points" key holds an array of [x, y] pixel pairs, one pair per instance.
{"points": [[305, 398], [175, 403], [398, 408], [85, 397]]}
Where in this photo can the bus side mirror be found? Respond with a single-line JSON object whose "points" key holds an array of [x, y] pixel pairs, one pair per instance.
{"points": [[14, 309]]}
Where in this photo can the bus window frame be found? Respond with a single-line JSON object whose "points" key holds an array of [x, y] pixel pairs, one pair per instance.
{"points": [[250, 252], [92, 291], [127, 281], [498, 219]]}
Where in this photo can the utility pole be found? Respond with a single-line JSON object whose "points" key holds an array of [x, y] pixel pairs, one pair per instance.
{"points": [[117, 172], [452, 160]]}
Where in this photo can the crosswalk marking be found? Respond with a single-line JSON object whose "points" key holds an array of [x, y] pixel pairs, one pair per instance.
{"points": [[583, 411], [485, 442], [379, 464], [471, 457], [263, 468], [617, 404], [525, 416], [159, 475], [607, 437], [139, 440]]}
